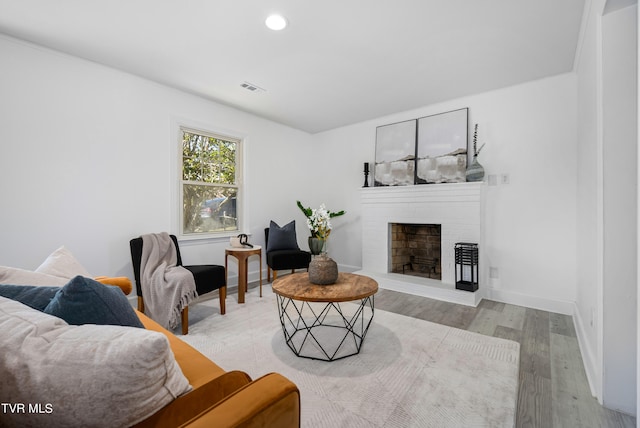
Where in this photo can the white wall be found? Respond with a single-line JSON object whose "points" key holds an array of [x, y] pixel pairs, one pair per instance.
{"points": [[620, 194], [604, 305], [86, 162], [637, 231], [588, 312], [530, 131]]}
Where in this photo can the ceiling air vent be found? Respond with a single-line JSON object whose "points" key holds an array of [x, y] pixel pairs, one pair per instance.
{"points": [[251, 87]]}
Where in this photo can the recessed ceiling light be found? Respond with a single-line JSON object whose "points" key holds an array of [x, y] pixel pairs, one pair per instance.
{"points": [[276, 22]]}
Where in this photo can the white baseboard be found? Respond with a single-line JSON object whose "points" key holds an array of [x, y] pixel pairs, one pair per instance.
{"points": [[348, 268], [562, 307], [533, 302], [254, 276], [424, 287], [588, 357]]}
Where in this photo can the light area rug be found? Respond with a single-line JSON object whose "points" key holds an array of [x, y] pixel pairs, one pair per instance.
{"points": [[409, 372]]}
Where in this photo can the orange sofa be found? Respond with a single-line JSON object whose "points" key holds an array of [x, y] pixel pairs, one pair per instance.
{"points": [[224, 399], [220, 398], [35, 343]]}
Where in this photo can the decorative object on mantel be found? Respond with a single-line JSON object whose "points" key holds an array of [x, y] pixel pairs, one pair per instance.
{"points": [[322, 269], [466, 266], [432, 149], [441, 148], [475, 171], [366, 174], [395, 154]]}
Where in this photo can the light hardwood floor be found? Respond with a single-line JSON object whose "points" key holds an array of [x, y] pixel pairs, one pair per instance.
{"points": [[553, 386], [553, 391]]}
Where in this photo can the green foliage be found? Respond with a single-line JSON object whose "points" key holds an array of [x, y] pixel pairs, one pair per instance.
{"points": [[206, 161], [308, 211], [305, 211], [318, 220]]}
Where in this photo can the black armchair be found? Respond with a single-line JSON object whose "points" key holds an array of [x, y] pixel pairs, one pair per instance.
{"points": [[207, 278], [281, 259]]}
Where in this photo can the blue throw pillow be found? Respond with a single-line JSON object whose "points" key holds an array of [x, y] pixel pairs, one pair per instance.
{"points": [[34, 296], [282, 238], [85, 301]]}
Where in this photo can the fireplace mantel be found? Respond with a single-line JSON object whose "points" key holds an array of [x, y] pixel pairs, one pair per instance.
{"points": [[457, 207]]}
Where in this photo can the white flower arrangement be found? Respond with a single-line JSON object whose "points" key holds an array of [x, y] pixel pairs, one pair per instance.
{"points": [[319, 220]]}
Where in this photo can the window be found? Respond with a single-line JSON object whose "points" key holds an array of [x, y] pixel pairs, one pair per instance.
{"points": [[210, 186]]}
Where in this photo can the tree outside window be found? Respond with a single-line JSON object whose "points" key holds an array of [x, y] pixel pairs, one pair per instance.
{"points": [[209, 183]]}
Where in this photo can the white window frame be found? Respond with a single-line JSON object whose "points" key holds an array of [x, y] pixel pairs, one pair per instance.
{"points": [[239, 138]]}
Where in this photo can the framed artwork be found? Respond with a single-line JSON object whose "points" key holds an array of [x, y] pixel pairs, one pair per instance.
{"points": [[395, 154], [441, 150]]}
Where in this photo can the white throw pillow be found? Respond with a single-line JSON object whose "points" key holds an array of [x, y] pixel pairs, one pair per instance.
{"points": [[89, 375], [16, 276], [61, 263]]}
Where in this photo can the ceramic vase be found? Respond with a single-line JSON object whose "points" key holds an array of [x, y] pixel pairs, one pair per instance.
{"points": [[475, 171], [316, 245], [323, 270]]}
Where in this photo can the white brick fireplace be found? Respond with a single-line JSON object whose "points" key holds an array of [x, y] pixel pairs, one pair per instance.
{"points": [[457, 207]]}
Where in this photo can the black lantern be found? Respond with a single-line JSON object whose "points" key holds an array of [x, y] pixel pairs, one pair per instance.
{"points": [[466, 266]]}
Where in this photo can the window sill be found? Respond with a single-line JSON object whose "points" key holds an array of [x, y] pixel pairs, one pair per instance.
{"points": [[208, 238]]}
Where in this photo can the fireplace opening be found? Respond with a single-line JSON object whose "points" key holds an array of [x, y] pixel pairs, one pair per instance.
{"points": [[415, 250]]}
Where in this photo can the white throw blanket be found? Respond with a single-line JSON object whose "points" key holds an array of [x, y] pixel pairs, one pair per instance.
{"points": [[167, 288]]}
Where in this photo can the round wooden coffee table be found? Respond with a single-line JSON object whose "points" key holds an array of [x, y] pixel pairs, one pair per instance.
{"points": [[314, 323]]}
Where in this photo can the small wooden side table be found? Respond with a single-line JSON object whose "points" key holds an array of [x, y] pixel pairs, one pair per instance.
{"points": [[242, 254]]}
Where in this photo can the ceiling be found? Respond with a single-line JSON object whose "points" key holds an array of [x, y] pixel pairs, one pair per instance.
{"points": [[337, 63]]}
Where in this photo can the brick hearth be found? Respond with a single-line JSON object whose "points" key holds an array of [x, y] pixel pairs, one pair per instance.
{"points": [[415, 250], [456, 207]]}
